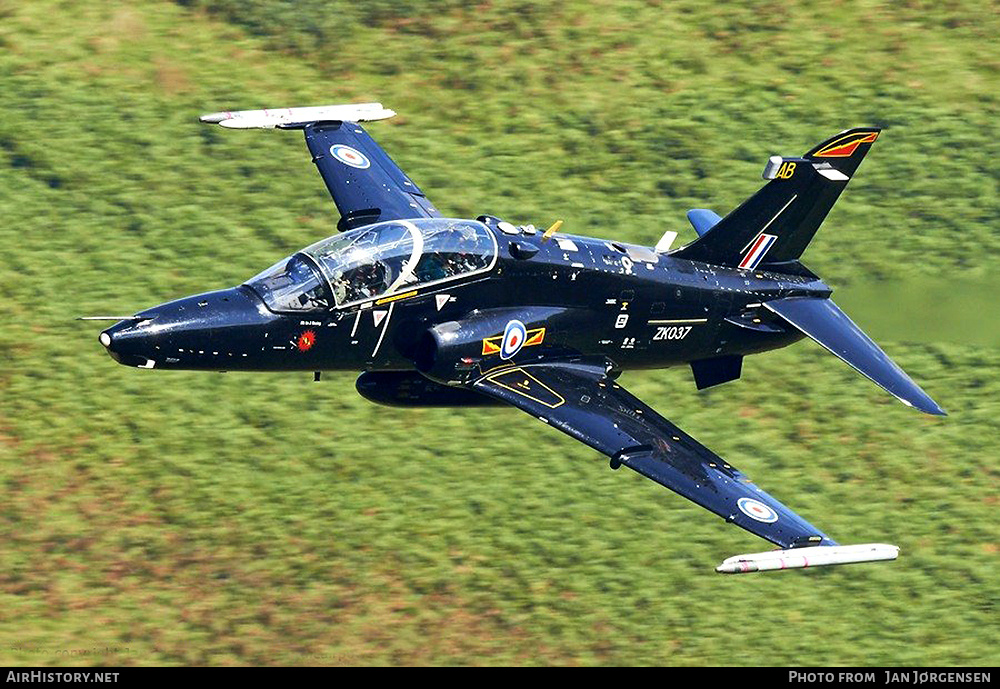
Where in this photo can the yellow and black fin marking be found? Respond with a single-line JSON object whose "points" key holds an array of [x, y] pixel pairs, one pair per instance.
{"points": [[844, 146]]}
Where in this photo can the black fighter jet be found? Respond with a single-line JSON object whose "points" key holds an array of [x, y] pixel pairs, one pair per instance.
{"points": [[456, 312]]}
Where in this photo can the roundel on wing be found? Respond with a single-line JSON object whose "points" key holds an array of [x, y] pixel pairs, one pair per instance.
{"points": [[350, 156], [514, 336], [755, 509]]}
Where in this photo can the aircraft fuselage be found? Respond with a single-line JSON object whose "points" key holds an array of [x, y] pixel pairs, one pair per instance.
{"points": [[592, 297]]}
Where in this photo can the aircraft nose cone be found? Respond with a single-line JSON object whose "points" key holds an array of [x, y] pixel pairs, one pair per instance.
{"points": [[128, 342], [193, 332]]}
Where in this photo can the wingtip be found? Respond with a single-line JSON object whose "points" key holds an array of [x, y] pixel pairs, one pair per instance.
{"points": [[927, 406]]}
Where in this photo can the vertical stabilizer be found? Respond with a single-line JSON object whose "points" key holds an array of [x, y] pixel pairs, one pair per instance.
{"points": [[775, 225]]}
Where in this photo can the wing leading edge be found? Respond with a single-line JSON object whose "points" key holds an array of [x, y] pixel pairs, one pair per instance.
{"points": [[581, 401]]}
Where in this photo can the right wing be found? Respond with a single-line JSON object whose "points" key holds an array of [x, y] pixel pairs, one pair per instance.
{"points": [[363, 180], [581, 401]]}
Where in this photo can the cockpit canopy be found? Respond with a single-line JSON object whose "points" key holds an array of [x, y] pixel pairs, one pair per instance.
{"points": [[375, 261]]}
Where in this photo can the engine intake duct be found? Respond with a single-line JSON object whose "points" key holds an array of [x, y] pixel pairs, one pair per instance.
{"points": [[458, 352]]}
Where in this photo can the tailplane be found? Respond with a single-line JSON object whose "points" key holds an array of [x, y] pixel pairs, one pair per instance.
{"points": [[774, 226], [823, 321]]}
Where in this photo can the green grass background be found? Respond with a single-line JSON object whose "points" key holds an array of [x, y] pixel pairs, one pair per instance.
{"points": [[184, 518]]}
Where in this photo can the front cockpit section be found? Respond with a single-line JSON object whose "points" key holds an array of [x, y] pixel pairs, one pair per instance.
{"points": [[293, 284], [377, 261]]}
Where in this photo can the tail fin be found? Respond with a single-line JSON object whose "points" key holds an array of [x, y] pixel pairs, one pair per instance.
{"points": [[820, 319], [775, 225]]}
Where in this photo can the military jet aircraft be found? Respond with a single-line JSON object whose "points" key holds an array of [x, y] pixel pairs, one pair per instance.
{"points": [[447, 311]]}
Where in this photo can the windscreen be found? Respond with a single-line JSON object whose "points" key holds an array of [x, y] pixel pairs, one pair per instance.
{"points": [[293, 284]]}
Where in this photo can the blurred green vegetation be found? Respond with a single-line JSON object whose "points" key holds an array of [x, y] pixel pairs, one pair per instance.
{"points": [[255, 519]]}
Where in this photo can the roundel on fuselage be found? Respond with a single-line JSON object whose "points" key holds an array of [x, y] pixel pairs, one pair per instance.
{"points": [[514, 336]]}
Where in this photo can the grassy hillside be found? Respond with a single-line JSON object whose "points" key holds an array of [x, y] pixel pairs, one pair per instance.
{"points": [[200, 518]]}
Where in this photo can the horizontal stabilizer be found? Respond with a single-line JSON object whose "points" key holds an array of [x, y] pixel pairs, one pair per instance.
{"points": [[290, 118], [823, 321], [816, 556]]}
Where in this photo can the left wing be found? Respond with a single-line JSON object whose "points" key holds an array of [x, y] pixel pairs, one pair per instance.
{"points": [[581, 401], [365, 183]]}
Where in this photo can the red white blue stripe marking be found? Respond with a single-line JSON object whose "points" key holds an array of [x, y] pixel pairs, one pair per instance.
{"points": [[758, 249]]}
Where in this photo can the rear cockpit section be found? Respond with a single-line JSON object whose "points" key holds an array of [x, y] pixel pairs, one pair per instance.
{"points": [[377, 261]]}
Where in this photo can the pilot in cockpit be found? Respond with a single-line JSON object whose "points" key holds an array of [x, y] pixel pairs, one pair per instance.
{"points": [[466, 251], [367, 280]]}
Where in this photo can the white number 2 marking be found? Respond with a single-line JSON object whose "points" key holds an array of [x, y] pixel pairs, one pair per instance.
{"points": [[673, 332]]}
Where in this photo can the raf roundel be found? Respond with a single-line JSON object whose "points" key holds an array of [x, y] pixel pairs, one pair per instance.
{"points": [[350, 156], [514, 336], [755, 509]]}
